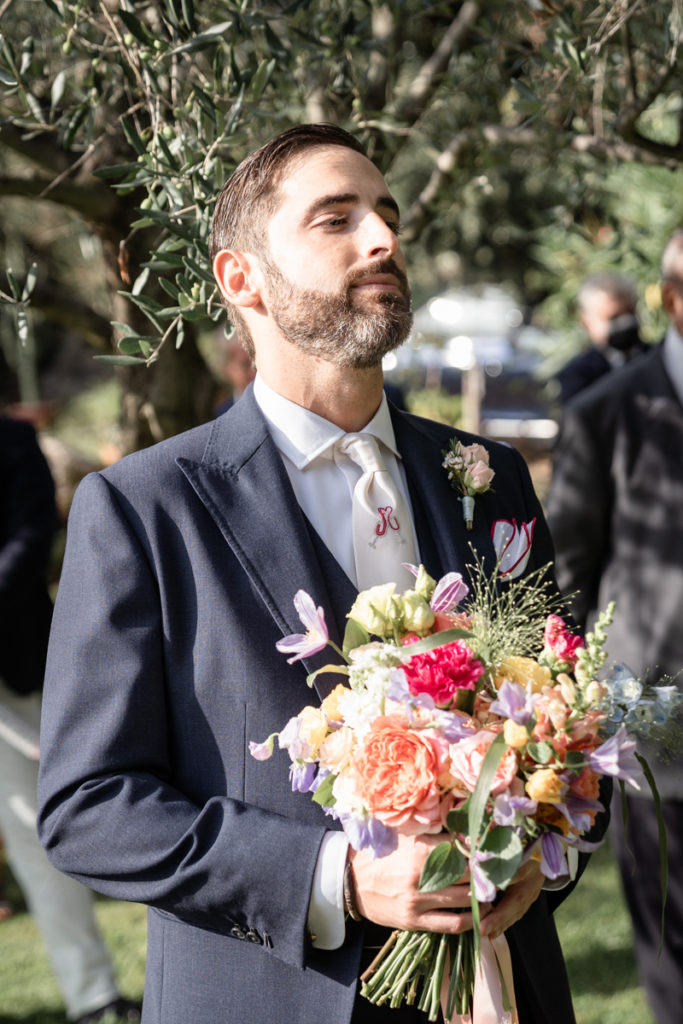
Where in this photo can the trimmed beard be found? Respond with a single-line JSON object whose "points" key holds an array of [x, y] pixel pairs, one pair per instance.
{"points": [[333, 327]]}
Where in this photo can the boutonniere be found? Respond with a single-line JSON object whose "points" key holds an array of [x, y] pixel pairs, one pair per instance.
{"points": [[469, 473]]}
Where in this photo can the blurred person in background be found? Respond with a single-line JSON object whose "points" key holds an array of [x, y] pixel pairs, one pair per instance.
{"points": [[237, 369], [63, 909], [607, 311], [614, 509]]}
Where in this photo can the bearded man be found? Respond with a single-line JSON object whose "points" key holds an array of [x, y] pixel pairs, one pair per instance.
{"points": [[181, 566]]}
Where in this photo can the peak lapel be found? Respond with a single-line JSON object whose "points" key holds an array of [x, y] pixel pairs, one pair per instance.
{"points": [[242, 482]]}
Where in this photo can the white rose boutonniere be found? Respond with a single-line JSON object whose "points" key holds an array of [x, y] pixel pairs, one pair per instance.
{"points": [[469, 473]]}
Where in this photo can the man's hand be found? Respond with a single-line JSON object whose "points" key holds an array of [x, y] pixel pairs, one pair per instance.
{"points": [[518, 897], [386, 890]]}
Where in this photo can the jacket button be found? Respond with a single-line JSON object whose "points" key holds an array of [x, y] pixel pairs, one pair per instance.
{"points": [[238, 933], [254, 936]]}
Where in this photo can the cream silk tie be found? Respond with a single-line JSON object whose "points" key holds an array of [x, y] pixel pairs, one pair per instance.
{"points": [[382, 527]]}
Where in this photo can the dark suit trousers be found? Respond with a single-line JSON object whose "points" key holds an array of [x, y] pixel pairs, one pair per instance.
{"points": [[638, 858]]}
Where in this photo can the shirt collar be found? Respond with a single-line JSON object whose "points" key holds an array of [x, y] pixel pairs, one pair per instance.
{"points": [[302, 435]]}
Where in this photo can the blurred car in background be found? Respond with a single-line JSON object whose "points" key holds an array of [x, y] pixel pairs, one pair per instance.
{"points": [[475, 343]]}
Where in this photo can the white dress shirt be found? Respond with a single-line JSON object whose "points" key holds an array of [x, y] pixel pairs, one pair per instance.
{"points": [[324, 491]]}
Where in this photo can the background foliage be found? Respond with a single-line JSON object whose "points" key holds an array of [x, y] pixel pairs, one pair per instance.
{"points": [[528, 141]]}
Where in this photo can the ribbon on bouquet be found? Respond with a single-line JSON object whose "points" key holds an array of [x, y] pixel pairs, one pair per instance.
{"points": [[493, 973]]}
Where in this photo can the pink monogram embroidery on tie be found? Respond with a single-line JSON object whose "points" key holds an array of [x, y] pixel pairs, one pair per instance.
{"points": [[386, 518]]}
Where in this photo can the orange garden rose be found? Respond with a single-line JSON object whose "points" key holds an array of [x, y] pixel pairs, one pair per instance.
{"points": [[331, 703], [400, 768]]}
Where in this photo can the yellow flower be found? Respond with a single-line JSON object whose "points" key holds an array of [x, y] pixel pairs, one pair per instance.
{"points": [[377, 609], [524, 671], [545, 786], [312, 727], [515, 735], [330, 706]]}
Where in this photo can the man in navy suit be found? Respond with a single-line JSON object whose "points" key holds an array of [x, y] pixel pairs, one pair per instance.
{"points": [[180, 570]]}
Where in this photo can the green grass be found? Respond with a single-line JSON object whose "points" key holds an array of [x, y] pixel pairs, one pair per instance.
{"points": [[593, 924]]}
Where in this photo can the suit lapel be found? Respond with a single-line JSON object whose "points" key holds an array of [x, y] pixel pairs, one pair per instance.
{"points": [[444, 541], [243, 484]]}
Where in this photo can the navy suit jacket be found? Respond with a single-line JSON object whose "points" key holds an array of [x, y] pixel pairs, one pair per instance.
{"points": [[180, 570]]}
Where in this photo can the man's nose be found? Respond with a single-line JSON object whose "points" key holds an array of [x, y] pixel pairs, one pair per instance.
{"points": [[377, 237]]}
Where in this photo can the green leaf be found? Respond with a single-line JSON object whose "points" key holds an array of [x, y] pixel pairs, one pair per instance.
{"points": [[75, 123], [446, 636], [13, 283], [130, 346], [508, 851], [7, 79], [22, 325], [575, 760], [132, 135], [57, 90], [115, 170], [36, 108], [542, 753], [341, 670], [261, 77], [30, 282], [188, 14], [482, 789], [120, 360], [457, 822], [140, 282], [167, 285], [355, 635], [323, 794], [136, 27], [444, 866], [204, 39]]}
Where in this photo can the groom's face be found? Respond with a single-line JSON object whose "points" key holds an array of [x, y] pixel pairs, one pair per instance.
{"points": [[335, 276]]}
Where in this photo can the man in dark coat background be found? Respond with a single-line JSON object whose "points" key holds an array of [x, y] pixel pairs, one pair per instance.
{"points": [[181, 566], [614, 510]]}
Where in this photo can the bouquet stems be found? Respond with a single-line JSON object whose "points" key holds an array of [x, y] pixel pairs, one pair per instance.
{"points": [[411, 966]]}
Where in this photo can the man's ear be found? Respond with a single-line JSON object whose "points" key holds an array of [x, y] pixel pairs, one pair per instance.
{"points": [[238, 277]]}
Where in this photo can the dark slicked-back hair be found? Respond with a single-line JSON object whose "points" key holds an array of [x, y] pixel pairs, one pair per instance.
{"points": [[249, 196]]}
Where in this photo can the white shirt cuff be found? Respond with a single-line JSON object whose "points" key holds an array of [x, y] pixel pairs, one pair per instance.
{"points": [[326, 907]]}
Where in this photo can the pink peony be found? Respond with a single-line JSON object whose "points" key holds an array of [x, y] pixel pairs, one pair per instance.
{"points": [[468, 755], [560, 641], [399, 770], [442, 672]]}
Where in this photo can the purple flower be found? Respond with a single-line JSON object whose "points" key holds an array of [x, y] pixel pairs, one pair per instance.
{"points": [[482, 886], [262, 751], [449, 592], [316, 636], [514, 702], [507, 808], [369, 834], [553, 863], [616, 757], [301, 776], [576, 810]]}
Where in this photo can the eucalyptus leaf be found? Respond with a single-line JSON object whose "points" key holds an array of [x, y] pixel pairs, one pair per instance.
{"points": [[444, 866]]}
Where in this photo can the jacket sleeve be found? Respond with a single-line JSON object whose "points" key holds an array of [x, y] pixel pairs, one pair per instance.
{"points": [[110, 812], [579, 510]]}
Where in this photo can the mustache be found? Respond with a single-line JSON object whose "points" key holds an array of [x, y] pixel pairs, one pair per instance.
{"points": [[385, 266]]}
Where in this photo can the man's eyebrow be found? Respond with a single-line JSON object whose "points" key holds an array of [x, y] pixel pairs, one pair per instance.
{"points": [[344, 198]]}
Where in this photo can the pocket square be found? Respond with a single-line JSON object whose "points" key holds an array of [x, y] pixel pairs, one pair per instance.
{"points": [[513, 546]]}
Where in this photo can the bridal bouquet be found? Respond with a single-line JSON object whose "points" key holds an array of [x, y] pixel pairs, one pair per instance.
{"points": [[474, 713]]}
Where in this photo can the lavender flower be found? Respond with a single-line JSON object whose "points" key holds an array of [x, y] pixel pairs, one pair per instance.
{"points": [[616, 757], [316, 636]]}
